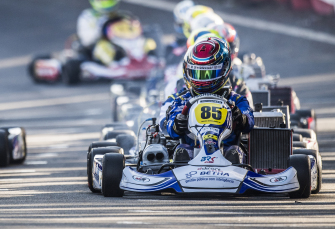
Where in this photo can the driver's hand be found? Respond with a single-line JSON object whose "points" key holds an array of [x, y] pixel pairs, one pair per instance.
{"points": [[239, 118], [180, 124]]}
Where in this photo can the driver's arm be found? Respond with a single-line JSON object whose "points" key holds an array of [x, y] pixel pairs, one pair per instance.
{"points": [[243, 104]]}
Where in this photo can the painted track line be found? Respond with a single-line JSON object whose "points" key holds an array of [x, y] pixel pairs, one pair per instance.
{"points": [[249, 22], [54, 101]]}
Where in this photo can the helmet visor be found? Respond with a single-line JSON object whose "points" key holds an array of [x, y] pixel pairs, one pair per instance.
{"points": [[204, 72]]}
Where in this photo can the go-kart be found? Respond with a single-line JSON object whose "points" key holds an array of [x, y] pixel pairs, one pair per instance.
{"points": [[138, 54], [13, 148], [155, 165]]}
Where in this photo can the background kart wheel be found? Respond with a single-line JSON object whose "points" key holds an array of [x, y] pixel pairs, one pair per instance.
{"points": [[305, 113], [126, 142], [4, 151], [318, 159], [306, 133], [90, 159], [71, 72], [302, 164], [101, 144], [299, 144], [297, 137], [25, 151], [10, 145], [112, 168], [114, 109], [31, 67], [113, 134]]}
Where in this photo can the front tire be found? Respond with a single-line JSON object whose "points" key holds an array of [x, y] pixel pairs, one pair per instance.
{"points": [[4, 151], [302, 164], [112, 168], [90, 160], [318, 159]]}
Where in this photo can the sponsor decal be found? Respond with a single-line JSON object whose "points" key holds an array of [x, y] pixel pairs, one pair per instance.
{"points": [[141, 179], [278, 179], [209, 129], [222, 179], [214, 173], [208, 159], [209, 168], [210, 136], [190, 180], [210, 101], [190, 174], [204, 67]]}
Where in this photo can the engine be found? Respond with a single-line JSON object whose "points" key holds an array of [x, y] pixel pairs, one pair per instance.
{"points": [[155, 154]]}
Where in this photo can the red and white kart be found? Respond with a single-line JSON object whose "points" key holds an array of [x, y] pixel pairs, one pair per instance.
{"points": [[139, 57]]}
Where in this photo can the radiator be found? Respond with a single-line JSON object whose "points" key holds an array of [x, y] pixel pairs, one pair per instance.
{"points": [[269, 119], [269, 149]]}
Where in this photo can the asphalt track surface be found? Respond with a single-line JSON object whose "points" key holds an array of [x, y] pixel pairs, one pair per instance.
{"points": [[50, 189]]}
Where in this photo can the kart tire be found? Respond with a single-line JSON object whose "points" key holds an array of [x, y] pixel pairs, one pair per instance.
{"points": [[31, 67], [299, 144], [20, 161], [318, 159], [10, 147], [297, 137], [302, 164], [305, 113], [90, 158], [71, 72], [319, 167], [306, 133], [114, 110], [99, 145], [4, 151], [112, 168], [113, 134], [126, 142]]}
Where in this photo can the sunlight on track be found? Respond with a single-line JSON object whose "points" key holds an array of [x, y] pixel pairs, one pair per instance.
{"points": [[54, 101]]}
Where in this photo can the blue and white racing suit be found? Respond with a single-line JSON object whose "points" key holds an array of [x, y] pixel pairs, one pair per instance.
{"points": [[176, 102]]}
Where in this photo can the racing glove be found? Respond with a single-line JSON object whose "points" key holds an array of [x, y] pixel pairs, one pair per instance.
{"points": [[239, 118], [180, 124]]}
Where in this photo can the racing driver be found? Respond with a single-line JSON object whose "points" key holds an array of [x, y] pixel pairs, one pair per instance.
{"points": [[213, 52]]}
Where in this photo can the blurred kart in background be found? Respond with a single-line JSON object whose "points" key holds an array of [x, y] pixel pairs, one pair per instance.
{"points": [[136, 53], [13, 146], [265, 90]]}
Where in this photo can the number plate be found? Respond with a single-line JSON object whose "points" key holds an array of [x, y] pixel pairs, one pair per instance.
{"points": [[210, 113]]}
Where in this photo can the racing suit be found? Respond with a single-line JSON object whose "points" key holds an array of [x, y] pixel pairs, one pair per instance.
{"points": [[92, 39], [175, 103]]}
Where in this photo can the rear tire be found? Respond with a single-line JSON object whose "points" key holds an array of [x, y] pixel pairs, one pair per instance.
{"points": [[306, 133], [31, 67], [4, 151], [113, 134], [112, 168], [302, 164], [71, 72], [297, 137], [126, 142], [299, 144], [90, 158]]}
